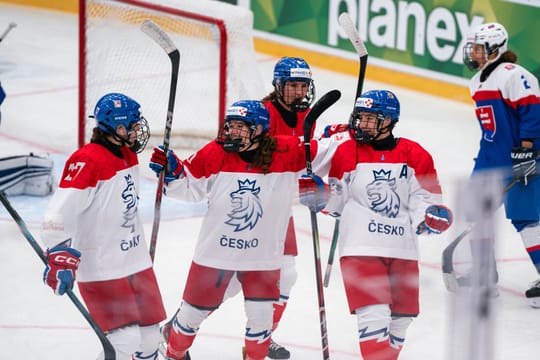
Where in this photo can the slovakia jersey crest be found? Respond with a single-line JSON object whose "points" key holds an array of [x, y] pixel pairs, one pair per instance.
{"points": [[382, 195], [246, 206], [487, 121]]}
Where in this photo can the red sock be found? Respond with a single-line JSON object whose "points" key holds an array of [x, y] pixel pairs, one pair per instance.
{"points": [[279, 308], [377, 350], [256, 350]]}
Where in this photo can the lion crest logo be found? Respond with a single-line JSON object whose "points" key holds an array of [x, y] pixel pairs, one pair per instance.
{"points": [[382, 195], [246, 206], [130, 199]]}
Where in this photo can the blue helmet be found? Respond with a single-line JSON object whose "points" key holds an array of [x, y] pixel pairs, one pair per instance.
{"points": [[381, 102], [116, 109], [294, 69], [291, 69], [252, 112]]}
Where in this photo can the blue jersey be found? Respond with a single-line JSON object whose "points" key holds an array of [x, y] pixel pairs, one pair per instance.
{"points": [[508, 110]]}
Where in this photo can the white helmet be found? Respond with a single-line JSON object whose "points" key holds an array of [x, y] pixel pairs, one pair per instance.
{"points": [[494, 38]]}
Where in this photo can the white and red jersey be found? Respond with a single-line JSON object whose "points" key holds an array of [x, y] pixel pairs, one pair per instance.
{"points": [[95, 205], [248, 211], [381, 197]]}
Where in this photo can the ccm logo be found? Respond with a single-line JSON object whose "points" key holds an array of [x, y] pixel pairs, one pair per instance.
{"points": [[62, 259], [522, 156]]}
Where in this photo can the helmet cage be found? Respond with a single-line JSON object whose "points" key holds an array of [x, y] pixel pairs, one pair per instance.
{"points": [[253, 113], [115, 110], [384, 104], [494, 39], [293, 69]]}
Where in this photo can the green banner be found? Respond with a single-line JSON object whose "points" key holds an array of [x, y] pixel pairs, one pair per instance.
{"points": [[423, 34]]}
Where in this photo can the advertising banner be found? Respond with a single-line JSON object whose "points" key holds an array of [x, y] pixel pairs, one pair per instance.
{"points": [[426, 36]]}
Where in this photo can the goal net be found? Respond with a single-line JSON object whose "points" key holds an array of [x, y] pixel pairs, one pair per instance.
{"points": [[217, 64]]}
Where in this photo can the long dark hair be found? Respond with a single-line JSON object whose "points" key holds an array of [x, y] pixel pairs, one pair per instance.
{"points": [[263, 154]]}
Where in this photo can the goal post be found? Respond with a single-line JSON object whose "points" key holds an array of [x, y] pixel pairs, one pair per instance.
{"points": [[218, 62]]}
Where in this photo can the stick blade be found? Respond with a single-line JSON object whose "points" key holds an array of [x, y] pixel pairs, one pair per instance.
{"points": [[347, 24], [318, 108], [151, 29]]}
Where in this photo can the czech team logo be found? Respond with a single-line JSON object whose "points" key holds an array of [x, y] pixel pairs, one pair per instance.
{"points": [[246, 206], [382, 195]]}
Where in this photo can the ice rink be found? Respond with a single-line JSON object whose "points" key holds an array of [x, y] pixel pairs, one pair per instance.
{"points": [[38, 70]]}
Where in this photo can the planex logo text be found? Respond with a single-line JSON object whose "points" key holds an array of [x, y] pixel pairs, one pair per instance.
{"points": [[405, 26]]}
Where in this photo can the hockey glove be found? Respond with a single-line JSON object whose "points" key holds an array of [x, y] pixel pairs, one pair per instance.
{"points": [[174, 166], [62, 263], [330, 130], [313, 192], [437, 219], [523, 164]]}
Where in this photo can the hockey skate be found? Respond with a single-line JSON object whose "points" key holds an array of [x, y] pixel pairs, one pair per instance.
{"points": [[165, 331], [533, 294], [187, 357], [276, 351]]}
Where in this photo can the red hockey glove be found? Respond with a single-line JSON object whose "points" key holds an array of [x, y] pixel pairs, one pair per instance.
{"points": [[62, 263], [330, 130], [313, 192], [158, 161], [437, 219]]}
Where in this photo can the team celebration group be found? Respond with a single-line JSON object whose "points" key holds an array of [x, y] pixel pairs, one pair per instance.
{"points": [[383, 190]]}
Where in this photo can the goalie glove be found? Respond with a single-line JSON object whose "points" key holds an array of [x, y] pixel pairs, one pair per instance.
{"points": [[437, 219], [174, 166], [313, 192], [60, 272], [523, 164]]}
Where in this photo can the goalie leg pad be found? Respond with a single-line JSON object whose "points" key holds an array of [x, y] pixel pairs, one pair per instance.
{"points": [[26, 175]]}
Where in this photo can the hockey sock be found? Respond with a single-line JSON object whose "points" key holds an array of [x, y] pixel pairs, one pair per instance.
{"points": [[373, 332], [531, 240], [279, 308], [185, 327], [398, 330], [258, 328]]}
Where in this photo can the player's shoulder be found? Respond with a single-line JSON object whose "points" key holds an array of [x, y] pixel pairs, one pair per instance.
{"points": [[90, 153], [412, 147]]}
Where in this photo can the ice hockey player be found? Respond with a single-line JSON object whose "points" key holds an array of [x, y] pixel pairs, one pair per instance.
{"points": [[243, 232], [507, 99], [386, 191], [94, 232]]}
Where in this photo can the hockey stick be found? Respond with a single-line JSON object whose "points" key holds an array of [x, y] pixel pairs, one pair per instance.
{"points": [[108, 349], [8, 29], [347, 24], [165, 42], [333, 246], [318, 108], [447, 263]]}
